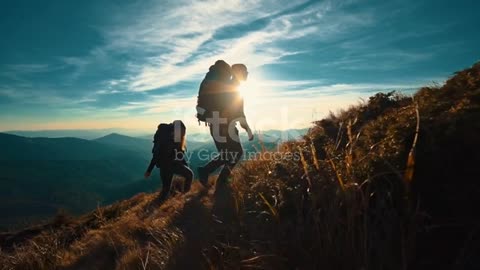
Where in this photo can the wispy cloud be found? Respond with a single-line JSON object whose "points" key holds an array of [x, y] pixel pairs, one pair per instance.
{"points": [[21, 72], [42, 97], [29, 68], [179, 44]]}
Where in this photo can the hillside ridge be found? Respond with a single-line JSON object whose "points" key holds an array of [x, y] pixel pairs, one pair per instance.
{"points": [[182, 225]]}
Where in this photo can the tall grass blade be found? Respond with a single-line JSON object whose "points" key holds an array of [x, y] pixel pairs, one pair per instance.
{"points": [[409, 170], [270, 206]]}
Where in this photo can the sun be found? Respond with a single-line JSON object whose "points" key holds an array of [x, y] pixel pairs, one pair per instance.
{"points": [[252, 92], [242, 88], [249, 89]]}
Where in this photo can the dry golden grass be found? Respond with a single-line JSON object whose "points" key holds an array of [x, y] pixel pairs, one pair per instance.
{"points": [[141, 235]]}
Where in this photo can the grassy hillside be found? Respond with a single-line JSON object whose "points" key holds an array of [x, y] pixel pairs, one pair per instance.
{"points": [[387, 184]]}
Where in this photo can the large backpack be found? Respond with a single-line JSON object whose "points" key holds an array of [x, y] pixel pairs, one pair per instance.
{"points": [[209, 98], [167, 140], [163, 144]]}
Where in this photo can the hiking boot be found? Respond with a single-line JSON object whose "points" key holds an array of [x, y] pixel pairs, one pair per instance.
{"points": [[203, 176]]}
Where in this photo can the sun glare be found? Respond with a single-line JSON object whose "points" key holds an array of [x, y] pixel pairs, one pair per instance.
{"points": [[251, 91], [248, 89], [242, 88]]}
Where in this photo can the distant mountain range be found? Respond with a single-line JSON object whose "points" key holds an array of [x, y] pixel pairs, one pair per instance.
{"points": [[87, 134], [137, 145], [91, 134], [21, 148], [39, 176]]}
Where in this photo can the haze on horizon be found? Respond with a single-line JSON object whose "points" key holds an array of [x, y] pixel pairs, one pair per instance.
{"points": [[116, 64]]}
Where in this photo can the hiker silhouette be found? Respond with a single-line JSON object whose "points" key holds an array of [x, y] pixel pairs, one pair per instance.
{"points": [[220, 106], [169, 156]]}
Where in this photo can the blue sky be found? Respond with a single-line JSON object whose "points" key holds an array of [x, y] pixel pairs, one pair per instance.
{"points": [[133, 64]]}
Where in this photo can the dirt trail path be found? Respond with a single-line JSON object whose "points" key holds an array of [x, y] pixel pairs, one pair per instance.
{"points": [[196, 223], [205, 220]]}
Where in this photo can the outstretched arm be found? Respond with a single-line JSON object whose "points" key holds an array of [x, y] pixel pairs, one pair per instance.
{"points": [[148, 172]]}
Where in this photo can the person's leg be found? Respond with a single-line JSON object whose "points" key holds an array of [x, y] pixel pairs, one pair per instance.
{"points": [[220, 144], [184, 171], [166, 174], [214, 163], [235, 148], [219, 159], [234, 154], [225, 173]]}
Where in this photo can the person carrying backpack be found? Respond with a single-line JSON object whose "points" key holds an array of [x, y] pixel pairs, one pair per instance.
{"points": [[223, 110], [168, 154]]}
